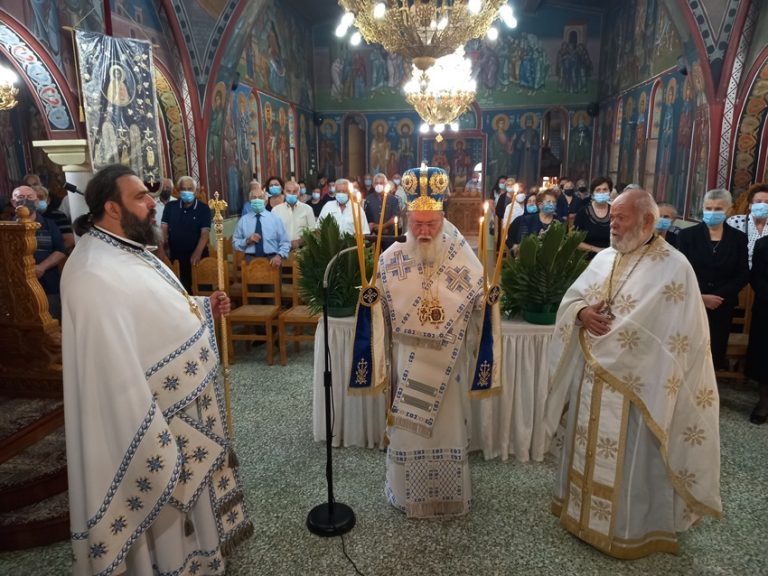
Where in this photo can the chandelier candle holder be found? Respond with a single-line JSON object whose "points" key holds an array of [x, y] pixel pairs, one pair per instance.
{"points": [[422, 30], [443, 92], [8, 90]]}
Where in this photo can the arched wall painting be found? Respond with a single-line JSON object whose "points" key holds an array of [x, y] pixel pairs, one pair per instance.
{"points": [[580, 145], [307, 163], [457, 154], [172, 117], [329, 161], [750, 131], [237, 148], [514, 140], [276, 137], [699, 146], [392, 142]]}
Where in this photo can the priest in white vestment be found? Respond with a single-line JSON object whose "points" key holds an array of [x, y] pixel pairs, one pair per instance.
{"points": [[152, 483], [630, 362], [432, 289]]}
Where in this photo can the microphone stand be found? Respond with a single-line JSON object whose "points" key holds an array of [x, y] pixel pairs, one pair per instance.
{"points": [[330, 518]]}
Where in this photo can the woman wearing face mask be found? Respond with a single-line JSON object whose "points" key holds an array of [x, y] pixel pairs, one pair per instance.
{"points": [[665, 224], [753, 224], [315, 202], [594, 218], [718, 255], [516, 207], [274, 192], [540, 213], [503, 194]]}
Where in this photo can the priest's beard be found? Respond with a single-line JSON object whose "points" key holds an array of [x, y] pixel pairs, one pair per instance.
{"points": [[136, 229], [629, 242], [429, 251]]}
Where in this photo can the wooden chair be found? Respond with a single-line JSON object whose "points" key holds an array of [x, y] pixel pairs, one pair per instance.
{"points": [[298, 317], [236, 266], [205, 277], [173, 265], [736, 352], [261, 283], [286, 277]]}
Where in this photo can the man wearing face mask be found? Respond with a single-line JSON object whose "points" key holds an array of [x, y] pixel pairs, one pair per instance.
{"points": [[341, 209], [374, 204], [296, 215], [186, 228], [566, 197], [304, 194], [45, 208], [368, 185], [579, 200], [316, 202], [402, 198], [50, 250], [260, 233]]}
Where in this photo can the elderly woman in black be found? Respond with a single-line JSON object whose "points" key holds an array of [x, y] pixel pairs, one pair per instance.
{"points": [[757, 367], [594, 217], [718, 255]]}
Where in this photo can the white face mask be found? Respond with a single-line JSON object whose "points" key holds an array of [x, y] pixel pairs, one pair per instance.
{"points": [[520, 197], [379, 188]]}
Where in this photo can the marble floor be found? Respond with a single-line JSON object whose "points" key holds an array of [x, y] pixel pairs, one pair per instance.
{"points": [[508, 532]]}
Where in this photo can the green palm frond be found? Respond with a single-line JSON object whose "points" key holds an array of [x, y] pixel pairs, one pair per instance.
{"points": [[545, 268]]}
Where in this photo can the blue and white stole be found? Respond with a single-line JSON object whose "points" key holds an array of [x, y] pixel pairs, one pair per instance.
{"points": [[486, 375], [434, 347]]}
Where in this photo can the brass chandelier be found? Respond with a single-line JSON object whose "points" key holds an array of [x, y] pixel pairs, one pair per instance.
{"points": [[8, 90], [443, 92], [422, 30]]}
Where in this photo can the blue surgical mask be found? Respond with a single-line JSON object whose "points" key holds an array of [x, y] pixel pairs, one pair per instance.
{"points": [[760, 210], [713, 218], [368, 182], [342, 197], [332, 189], [315, 195], [303, 190], [291, 198], [548, 208], [42, 205], [510, 188], [531, 209], [663, 224], [258, 205], [274, 190], [396, 181], [601, 197], [187, 196]]}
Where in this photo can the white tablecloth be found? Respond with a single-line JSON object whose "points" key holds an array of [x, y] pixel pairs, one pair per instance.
{"points": [[359, 420], [512, 423], [501, 425]]}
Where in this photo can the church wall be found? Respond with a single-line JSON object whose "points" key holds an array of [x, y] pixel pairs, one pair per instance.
{"points": [[262, 105], [654, 120], [524, 73]]}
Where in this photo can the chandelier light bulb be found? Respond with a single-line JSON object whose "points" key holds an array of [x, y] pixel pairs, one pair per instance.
{"points": [[439, 128], [474, 6], [443, 24], [505, 13], [512, 22], [341, 30], [433, 25], [348, 19], [379, 10], [493, 34], [356, 39], [455, 126], [424, 128]]}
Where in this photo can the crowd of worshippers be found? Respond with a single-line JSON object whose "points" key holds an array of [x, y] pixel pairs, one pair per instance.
{"points": [[726, 253], [722, 250]]}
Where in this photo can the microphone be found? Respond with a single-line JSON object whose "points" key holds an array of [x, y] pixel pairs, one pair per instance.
{"points": [[72, 188], [385, 238]]}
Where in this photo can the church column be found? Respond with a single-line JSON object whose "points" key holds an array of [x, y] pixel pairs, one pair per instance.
{"points": [[75, 160]]}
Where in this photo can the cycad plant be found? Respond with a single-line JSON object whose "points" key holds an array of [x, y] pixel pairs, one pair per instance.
{"points": [[546, 266], [344, 281]]}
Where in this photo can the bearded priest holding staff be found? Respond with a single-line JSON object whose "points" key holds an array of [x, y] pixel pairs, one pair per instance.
{"points": [[152, 483], [432, 291], [630, 357]]}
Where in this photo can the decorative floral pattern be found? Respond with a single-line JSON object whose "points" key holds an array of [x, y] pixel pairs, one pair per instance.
{"points": [[608, 448], [629, 339], [678, 344], [672, 386], [688, 479], [705, 398], [674, 292], [634, 383], [624, 304], [694, 435], [601, 509], [581, 435]]}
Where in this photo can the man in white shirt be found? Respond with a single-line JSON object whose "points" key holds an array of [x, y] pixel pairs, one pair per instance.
{"points": [[341, 210], [296, 216]]}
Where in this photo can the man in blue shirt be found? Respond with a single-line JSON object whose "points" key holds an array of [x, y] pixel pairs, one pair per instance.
{"points": [[50, 251], [261, 234], [186, 229]]}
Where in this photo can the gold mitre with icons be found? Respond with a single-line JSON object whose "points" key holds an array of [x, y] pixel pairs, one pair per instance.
{"points": [[425, 187]]}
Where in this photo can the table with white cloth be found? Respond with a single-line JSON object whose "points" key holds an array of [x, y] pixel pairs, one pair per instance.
{"points": [[510, 423], [357, 420], [513, 422]]}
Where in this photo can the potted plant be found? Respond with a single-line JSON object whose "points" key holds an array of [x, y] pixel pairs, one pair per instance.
{"points": [[546, 266], [344, 281]]}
